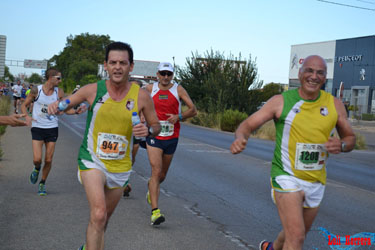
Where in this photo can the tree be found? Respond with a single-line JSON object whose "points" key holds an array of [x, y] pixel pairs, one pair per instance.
{"points": [[262, 95], [7, 75], [80, 57], [270, 90], [35, 78], [216, 83]]}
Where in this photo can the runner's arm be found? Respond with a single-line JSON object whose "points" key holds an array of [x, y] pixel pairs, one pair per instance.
{"points": [[271, 110], [86, 93], [146, 106], [184, 96], [345, 131]]}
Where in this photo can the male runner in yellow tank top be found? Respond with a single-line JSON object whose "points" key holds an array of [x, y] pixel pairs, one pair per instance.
{"points": [[104, 160], [304, 120]]}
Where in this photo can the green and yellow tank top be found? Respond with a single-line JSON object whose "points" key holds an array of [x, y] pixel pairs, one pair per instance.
{"points": [[301, 131], [108, 137]]}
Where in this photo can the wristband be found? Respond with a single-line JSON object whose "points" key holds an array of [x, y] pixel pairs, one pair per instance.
{"points": [[180, 116]]}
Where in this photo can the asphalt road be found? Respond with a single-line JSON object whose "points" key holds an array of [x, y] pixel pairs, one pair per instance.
{"points": [[211, 198]]}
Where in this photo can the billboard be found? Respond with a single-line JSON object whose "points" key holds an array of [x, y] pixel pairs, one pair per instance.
{"points": [[145, 68], [3, 42], [301, 51], [35, 64], [141, 68]]}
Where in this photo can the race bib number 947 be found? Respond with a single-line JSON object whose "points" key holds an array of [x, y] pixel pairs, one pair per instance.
{"points": [[111, 146], [310, 156]]}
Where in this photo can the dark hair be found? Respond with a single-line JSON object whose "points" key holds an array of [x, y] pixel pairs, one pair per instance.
{"points": [[119, 46], [51, 72]]}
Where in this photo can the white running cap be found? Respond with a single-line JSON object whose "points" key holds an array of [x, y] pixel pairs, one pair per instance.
{"points": [[165, 66]]}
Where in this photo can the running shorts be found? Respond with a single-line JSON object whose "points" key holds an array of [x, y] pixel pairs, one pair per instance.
{"points": [[168, 146], [314, 191], [45, 134], [112, 180]]}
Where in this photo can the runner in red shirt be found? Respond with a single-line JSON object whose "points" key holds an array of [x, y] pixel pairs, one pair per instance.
{"points": [[167, 96]]}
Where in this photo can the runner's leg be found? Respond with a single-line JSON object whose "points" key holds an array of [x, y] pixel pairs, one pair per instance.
{"points": [[50, 150], [134, 152], [289, 205], [167, 159], [93, 181], [37, 152], [155, 156]]}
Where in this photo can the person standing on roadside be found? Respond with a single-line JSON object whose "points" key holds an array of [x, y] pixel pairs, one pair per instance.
{"points": [[44, 128], [104, 160], [12, 120], [304, 120], [167, 96]]}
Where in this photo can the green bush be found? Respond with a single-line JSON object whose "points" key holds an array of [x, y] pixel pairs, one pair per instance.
{"points": [[2, 129], [230, 119], [368, 117]]}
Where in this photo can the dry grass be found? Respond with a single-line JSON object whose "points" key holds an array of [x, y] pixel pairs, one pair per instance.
{"points": [[5, 102], [360, 141], [267, 131]]}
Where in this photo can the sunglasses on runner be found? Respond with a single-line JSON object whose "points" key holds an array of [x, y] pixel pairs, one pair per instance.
{"points": [[164, 73]]}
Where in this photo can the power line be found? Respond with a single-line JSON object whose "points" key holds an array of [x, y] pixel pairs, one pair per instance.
{"points": [[366, 2], [346, 5]]}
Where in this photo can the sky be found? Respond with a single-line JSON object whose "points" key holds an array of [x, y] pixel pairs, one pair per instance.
{"points": [[263, 30]]}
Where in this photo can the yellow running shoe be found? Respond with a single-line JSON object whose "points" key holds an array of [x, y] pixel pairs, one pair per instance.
{"points": [[157, 217]]}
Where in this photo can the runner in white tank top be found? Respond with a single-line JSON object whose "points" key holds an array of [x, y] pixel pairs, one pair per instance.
{"points": [[44, 130]]}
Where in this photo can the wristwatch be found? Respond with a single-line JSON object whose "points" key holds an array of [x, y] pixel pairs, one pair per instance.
{"points": [[343, 146], [150, 132]]}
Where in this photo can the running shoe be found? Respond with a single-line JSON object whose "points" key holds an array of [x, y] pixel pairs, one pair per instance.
{"points": [[127, 190], [265, 245], [42, 189], [34, 176], [157, 217], [82, 247]]}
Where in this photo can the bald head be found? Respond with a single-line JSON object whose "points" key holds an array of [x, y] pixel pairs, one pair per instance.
{"points": [[315, 60]]}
